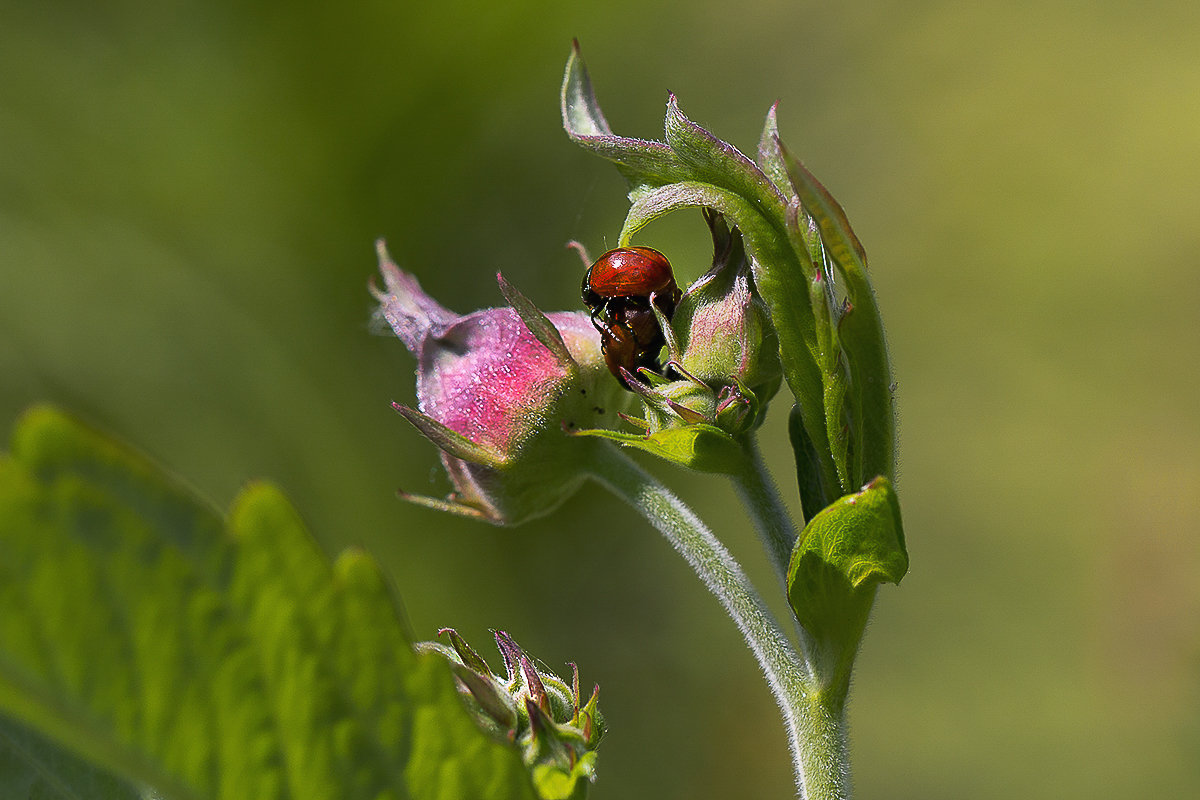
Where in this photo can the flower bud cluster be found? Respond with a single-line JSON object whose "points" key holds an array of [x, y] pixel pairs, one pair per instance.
{"points": [[724, 353], [722, 367], [532, 708]]}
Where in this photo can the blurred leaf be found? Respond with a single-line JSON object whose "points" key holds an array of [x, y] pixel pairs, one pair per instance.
{"points": [[841, 557], [210, 659], [32, 767]]}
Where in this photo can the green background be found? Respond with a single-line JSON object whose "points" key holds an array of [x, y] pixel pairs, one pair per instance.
{"points": [[189, 193]]}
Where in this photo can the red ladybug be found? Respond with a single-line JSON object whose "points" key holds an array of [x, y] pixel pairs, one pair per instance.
{"points": [[618, 289], [630, 272]]}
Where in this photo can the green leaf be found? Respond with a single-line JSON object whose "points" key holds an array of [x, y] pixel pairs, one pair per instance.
{"points": [[840, 559], [35, 768], [209, 658], [861, 330], [808, 465]]}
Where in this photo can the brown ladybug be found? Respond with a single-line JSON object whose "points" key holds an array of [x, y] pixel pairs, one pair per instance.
{"points": [[618, 289]]}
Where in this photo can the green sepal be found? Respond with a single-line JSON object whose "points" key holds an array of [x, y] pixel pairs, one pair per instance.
{"points": [[698, 446], [466, 653], [840, 559], [492, 709], [641, 161], [446, 505], [451, 441], [537, 322]]}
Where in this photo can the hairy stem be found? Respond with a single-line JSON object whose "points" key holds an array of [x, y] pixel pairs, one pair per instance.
{"points": [[816, 729], [766, 508]]}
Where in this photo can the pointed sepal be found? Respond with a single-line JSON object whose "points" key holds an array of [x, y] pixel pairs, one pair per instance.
{"points": [[537, 322], [641, 161], [698, 446], [449, 440]]}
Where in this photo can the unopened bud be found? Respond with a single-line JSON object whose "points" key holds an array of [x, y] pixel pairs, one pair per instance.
{"points": [[496, 389]]}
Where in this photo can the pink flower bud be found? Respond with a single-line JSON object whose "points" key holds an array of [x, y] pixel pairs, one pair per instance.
{"points": [[724, 331], [497, 390]]}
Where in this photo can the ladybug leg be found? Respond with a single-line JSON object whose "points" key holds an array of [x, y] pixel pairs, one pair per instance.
{"points": [[601, 319]]}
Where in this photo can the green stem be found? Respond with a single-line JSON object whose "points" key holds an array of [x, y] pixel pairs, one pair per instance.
{"points": [[816, 728], [766, 507]]}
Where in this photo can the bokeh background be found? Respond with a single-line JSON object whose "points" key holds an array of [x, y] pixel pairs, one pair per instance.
{"points": [[190, 190]]}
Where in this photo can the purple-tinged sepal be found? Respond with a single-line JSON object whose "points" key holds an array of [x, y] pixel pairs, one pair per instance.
{"points": [[724, 333]]}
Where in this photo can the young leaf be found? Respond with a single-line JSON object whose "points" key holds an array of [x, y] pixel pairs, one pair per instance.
{"points": [[770, 159], [720, 163], [861, 329], [840, 559], [213, 659], [783, 275]]}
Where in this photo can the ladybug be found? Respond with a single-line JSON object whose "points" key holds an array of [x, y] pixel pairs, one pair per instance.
{"points": [[630, 272], [619, 289]]}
